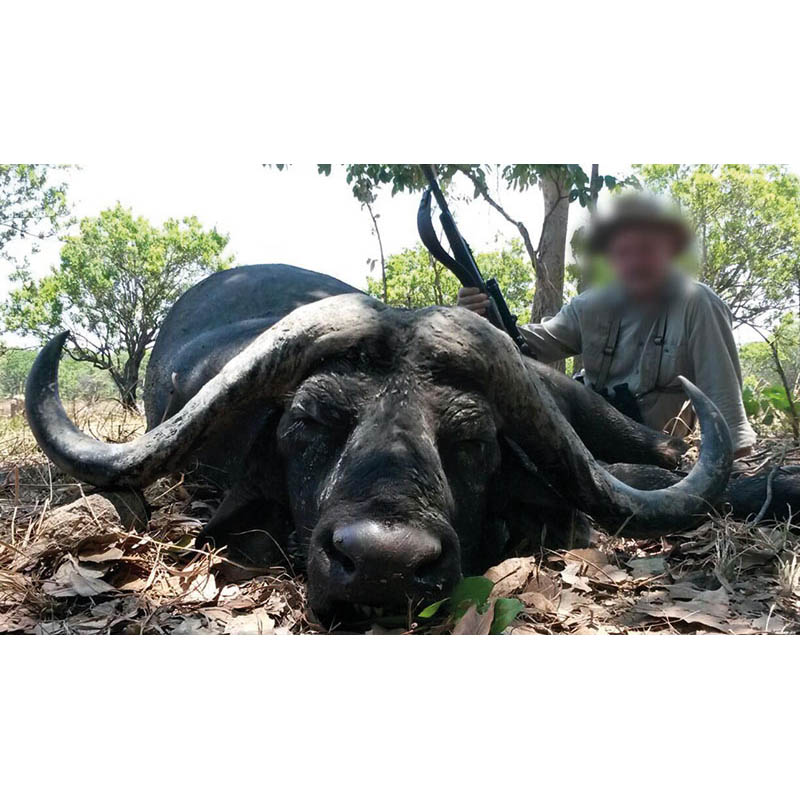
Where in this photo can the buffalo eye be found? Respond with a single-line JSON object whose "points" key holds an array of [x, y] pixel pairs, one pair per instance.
{"points": [[467, 432], [467, 442], [468, 448], [314, 419]]}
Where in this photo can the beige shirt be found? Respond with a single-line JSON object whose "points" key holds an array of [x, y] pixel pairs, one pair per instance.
{"points": [[697, 343]]}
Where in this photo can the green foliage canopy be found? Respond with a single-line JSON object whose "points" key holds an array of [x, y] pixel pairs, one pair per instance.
{"points": [[771, 371], [32, 204], [757, 359], [366, 178], [747, 220], [416, 280], [76, 379], [117, 279]]}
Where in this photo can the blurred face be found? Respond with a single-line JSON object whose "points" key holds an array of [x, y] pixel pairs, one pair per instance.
{"points": [[641, 259]]}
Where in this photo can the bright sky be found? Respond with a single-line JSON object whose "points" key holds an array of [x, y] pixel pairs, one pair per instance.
{"points": [[295, 216]]}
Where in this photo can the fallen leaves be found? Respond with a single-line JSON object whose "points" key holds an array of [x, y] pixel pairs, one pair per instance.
{"points": [[524, 578], [556, 597], [696, 607], [102, 555], [541, 593], [589, 593], [594, 565], [17, 620], [258, 623], [73, 579], [647, 567], [78, 568], [572, 576], [475, 623], [196, 587], [511, 575]]}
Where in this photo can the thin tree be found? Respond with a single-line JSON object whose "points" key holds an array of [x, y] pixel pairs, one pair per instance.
{"points": [[117, 280]]}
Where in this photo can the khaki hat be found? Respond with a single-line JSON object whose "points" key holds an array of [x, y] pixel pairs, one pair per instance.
{"points": [[638, 210]]}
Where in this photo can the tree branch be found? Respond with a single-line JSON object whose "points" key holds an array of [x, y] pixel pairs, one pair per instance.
{"points": [[483, 191]]}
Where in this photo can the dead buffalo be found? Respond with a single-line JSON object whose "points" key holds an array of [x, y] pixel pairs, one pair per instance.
{"points": [[390, 451]]}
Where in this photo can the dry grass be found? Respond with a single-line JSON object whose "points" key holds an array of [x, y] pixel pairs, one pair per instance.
{"points": [[70, 563]]}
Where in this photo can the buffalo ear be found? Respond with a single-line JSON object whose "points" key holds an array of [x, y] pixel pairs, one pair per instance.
{"points": [[536, 515], [520, 481], [264, 467], [254, 519]]}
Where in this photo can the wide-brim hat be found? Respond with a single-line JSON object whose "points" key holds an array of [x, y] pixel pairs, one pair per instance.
{"points": [[638, 210]]}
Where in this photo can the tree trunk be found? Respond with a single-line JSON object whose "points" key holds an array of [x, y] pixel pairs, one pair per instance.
{"points": [[127, 382], [549, 294], [794, 415], [583, 277], [797, 281], [377, 230]]}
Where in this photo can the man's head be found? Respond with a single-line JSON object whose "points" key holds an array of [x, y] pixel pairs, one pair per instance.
{"points": [[640, 238]]}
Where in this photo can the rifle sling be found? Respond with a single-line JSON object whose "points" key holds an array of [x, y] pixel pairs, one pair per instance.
{"points": [[608, 353], [429, 238]]}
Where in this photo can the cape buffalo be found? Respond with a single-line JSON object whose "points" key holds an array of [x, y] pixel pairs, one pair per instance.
{"points": [[389, 450]]}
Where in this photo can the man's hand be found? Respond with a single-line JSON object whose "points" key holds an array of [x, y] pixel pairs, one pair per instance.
{"points": [[473, 299]]}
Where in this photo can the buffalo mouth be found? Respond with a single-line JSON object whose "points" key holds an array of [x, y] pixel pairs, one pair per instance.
{"points": [[357, 616], [367, 571], [384, 606]]}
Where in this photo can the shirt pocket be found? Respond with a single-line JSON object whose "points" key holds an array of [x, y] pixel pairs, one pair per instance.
{"points": [[674, 362]]}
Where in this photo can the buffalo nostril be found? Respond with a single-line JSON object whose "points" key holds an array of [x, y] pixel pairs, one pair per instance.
{"points": [[338, 551], [374, 549], [429, 570]]}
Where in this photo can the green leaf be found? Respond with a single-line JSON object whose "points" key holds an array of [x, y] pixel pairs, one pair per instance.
{"points": [[778, 398], [506, 610], [751, 403], [473, 591], [430, 610]]}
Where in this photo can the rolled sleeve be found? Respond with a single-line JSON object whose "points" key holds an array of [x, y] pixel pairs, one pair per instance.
{"points": [[556, 338], [715, 363]]}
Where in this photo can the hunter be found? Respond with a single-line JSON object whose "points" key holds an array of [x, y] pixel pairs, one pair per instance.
{"points": [[648, 325]]}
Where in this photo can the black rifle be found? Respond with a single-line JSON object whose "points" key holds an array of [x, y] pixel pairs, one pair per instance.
{"points": [[462, 262]]}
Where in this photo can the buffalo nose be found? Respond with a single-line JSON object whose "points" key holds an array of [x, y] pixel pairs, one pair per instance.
{"points": [[373, 551]]}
